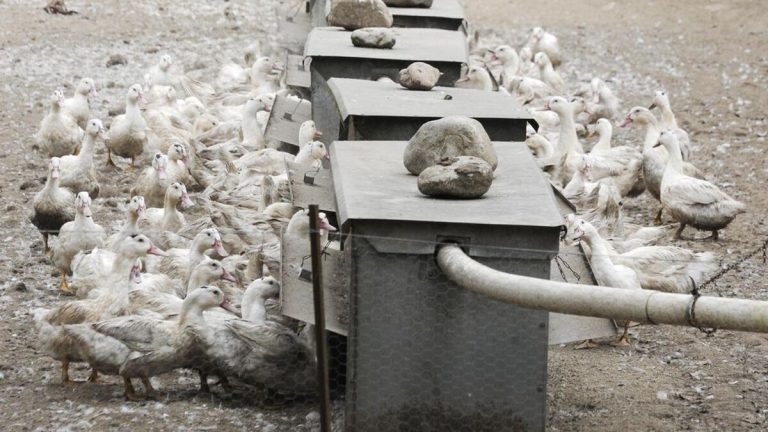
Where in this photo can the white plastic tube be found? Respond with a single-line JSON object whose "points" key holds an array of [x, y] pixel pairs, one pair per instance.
{"points": [[643, 306]]}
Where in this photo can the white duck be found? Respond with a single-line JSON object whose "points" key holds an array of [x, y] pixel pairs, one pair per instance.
{"points": [[169, 218], [668, 119], [59, 133], [654, 159], [548, 74], [622, 163], [605, 271], [476, 78], [528, 89], [507, 57], [568, 145], [253, 136], [308, 132], [163, 75], [109, 297], [128, 134], [693, 201], [78, 106], [542, 41], [311, 155], [177, 169], [77, 172], [79, 235], [167, 345], [181, 261], [153, 182], [603, 104], [53, 206]]}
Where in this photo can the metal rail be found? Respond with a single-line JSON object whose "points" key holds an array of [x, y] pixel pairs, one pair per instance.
{"points": [[320, 338]]}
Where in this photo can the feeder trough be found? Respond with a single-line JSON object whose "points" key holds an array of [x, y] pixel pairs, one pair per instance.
{"points": [[334, 56], [423, 353], [285, 119], [443, 14], [369, 110]]}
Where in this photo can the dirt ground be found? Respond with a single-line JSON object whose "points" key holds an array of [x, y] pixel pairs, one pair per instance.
{"points": [[710, 57]]}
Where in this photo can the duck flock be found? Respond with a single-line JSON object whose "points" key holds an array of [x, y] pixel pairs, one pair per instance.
{"points": [[165, 293]]}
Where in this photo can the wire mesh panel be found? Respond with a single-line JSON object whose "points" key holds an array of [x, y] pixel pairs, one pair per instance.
{"points": [[427, 355]]}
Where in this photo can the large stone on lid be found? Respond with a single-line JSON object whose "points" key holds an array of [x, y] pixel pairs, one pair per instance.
{"points": [[355, 14], [464, 177], [448, 137]]}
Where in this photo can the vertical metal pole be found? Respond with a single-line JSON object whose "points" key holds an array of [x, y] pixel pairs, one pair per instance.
{"points": [[320, 340]]}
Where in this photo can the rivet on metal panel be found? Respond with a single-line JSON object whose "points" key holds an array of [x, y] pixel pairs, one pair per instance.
{"points": [[542, 325]]}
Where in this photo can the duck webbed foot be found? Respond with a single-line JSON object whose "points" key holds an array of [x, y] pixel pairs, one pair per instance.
{"points": [[64, 286], [623, 340], [586, 344], [110, 162], [150, 391], [714, 237], [679, 232], [130, 391], [657, 220]]}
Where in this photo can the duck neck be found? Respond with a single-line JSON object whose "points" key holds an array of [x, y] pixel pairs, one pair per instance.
{"points": [[568, 137], [131, 223], [196, 280], [485, 82], [51, 184], [191, 313], [122, 266], [675, 161], [170, 214], [652, 133], [132, 109], [604, 143], [601, 253], [85, 157]]}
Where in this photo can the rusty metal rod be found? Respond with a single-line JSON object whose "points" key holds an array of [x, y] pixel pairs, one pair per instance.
{"points": [[321, 342], [645, 306]]}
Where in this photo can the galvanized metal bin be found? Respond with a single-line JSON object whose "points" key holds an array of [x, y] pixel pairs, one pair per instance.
{"points": [[444, 14], [423, 353], [333, 55], [369, 110]]}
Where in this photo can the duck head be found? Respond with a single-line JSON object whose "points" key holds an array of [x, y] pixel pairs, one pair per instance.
{"points": [[54, 168], [308, 132], [95, 129], [541, 59], [210, 238], [160, 164], [137, 207], [177, 192], [558, 104], [504, 54], [83, 204], [209, 297], [660, 100], [210, 270], [86, 87], [135, 95], [637, 114], [319, 151], [177, 152], [139, 245], [57, 99], [258, 103], [166, 61]]}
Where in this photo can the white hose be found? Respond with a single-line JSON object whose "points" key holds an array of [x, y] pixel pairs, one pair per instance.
{"points": [[643, 306]]}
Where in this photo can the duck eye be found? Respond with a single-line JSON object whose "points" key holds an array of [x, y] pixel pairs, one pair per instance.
{"points": [[141, 240]]}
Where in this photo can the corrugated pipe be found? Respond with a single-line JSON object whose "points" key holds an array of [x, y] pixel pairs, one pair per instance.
{"points": [[644, 306]]}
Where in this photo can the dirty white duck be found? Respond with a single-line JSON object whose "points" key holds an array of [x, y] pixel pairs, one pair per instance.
{"points": [[605, 271], [109, 296], [253, 136], [606, 214], [312, 155], [693, 201], [603, 104], [59, 134], [135, 211], [81, 234], [548, 73], [621, 163], [507, 57], [129, 132], [527, 89], [308, 132], [153, 182], [166, 345], [53, 206], [75, 343], [543, 41], [527, 67], [163, 74], [180, 262], [258, 291], [654, 158], [77, 172], [476, 78], [169, 218], [78, 106], [178, 160], [569, 146], [661, 101]]}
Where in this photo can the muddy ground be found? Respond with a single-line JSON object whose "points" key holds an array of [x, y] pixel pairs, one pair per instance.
{"points": [[710, 57]]}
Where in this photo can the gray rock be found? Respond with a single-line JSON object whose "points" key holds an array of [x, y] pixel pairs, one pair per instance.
{"points": [[116, 59], [459, 177], [409, 3], [446, 138], [419, 76], [355, 14], [373, 37]]}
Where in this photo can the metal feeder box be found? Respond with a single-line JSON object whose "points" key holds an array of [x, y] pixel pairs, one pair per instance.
{"points": [[370, 110], [285, 119], [443, 14], [423, 353], [333, 55]]}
